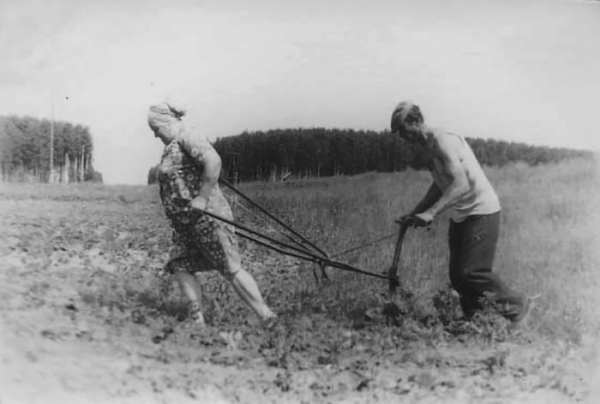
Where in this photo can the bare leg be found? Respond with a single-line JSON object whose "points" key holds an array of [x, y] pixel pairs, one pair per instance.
{"points": [[246, 287], [191, 289], [243, 283]]}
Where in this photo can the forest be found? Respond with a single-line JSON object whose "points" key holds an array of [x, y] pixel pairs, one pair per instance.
{"points": [[318, 152], [25, 151]]}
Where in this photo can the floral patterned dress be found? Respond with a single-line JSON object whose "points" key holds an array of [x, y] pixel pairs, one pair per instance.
{"points": [[201, 243]]}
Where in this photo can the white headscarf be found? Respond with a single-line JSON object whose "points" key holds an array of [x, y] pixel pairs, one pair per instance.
{"points": [[165, 118]]}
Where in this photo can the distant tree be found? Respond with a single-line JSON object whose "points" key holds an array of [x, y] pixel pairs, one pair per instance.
{"points": [[320, 152], [25, 151], [153, 175], [94, 176]]}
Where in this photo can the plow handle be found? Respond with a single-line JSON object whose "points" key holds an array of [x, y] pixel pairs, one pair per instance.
{"points": [[394, 280]]}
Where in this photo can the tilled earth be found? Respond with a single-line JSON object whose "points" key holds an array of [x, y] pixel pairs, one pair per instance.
{"points": [[87, 317]]}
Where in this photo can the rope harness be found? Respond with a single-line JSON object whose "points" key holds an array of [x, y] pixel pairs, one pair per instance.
{"points": [[302, 248]]}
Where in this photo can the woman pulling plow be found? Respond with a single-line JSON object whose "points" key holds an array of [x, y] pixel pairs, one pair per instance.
{"points": [[188, 176]]}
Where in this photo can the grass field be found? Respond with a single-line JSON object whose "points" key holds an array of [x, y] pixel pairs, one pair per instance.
{"points": [[89, 317]]}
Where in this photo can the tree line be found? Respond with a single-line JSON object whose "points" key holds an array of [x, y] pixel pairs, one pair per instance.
{"points": [[25, 151], [319, 152]]}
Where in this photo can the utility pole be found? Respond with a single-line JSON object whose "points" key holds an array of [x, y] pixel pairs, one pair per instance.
{"points": [[51, 176]]}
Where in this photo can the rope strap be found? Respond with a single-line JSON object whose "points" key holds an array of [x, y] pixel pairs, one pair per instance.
{"points": [[267, 213], [291, 251]]}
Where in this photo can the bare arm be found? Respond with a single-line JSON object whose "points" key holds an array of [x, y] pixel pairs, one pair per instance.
{"points": [[433, 194], [202, 152], [451, 157]]}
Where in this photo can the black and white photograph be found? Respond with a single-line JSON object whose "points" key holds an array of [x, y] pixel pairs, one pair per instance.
{"points": [[285, 201]]}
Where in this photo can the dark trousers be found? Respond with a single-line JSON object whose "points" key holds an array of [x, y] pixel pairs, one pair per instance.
{"points": [[472, 245]]}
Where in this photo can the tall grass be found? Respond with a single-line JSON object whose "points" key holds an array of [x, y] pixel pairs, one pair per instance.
{"points": [[549, 235], [549, 241]]}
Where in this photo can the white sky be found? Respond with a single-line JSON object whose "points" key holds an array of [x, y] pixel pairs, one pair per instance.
{"points": [[521, 70]]}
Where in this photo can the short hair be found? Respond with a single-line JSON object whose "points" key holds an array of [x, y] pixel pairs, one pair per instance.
{"points": [[406, 114]]}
